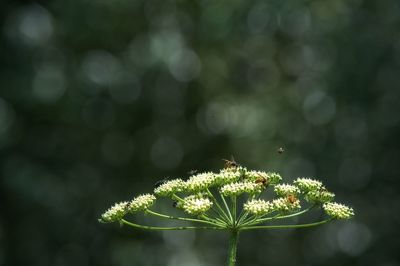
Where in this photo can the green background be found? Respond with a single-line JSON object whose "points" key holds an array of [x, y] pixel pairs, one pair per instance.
{"points": [[99, 99]]}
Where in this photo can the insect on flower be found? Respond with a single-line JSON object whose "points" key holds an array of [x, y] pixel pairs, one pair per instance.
{"points": [[230, 163], [262, 180], [281, 150], [291, 198]]}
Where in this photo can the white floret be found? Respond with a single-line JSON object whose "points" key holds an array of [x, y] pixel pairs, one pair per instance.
{"points": [[195, 205], [200, 182], [338, 211], [258, 206], [286, 189], [115, 213], [234, 189], [285, 205], [170, 187], [307, 184], [230, 175], [141, 203], [272, 178]]}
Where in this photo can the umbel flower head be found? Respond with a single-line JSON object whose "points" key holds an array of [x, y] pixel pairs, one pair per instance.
{"points": [[170, 187], [232, 199], [141, 203], [115, 213], [286, 189], [271, 178], [338, 211], [307, 184], [235, 189], [287, 204], [230, 175], [200, 182], [213, 195], [196, 204], [319, 196], [259, 206]]}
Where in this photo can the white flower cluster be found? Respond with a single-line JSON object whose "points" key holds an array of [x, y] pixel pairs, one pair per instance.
{"points": [[234, 181], [286, 189], [258, 206], [272, 178], [338, 211], [314, 191], [141, 203], [115, 213], [200, 182], [229, 175], [195, 204], [170, 187], [286, 204], [234, 189], [308, 184], [319, 196]]}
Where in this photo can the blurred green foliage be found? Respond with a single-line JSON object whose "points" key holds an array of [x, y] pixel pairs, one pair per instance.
{"points": [[100, 99]]}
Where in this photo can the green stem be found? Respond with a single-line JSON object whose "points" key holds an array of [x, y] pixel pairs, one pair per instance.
{"points": [[214, 219], [177, 198], [249, 220], [286, 216], [234, 207], [286, 226], [233, 241], [242, 218], [243, 214], [145, 227], [182, 218], [221, 211], [226, 207], [256, 220]]}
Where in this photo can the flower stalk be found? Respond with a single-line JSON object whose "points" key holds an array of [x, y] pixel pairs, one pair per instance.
{"points": [[233, 242]]}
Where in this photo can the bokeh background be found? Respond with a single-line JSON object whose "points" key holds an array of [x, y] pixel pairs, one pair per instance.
{"points": [[99, 99]]}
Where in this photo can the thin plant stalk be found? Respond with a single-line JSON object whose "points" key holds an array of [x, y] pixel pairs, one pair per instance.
{"points": [[233, 242]]}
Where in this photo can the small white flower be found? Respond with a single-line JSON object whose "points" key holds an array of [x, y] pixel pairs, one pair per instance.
{"points": [[141, 203], [115, 213], [286, 189], [200, 181], [170, 187], [234, 189], [195, 204], [307, 184], [258, 206], [287, 204], [338, 211]]}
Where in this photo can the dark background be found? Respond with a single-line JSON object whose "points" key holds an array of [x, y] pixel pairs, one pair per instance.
{"points": [[99, 99]]}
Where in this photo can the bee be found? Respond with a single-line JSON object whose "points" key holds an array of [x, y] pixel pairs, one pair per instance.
{"points": [[291, 198], [281, 150], [174, 204], [262, 180], [160, 182], [230, 163], [192, 172]]}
